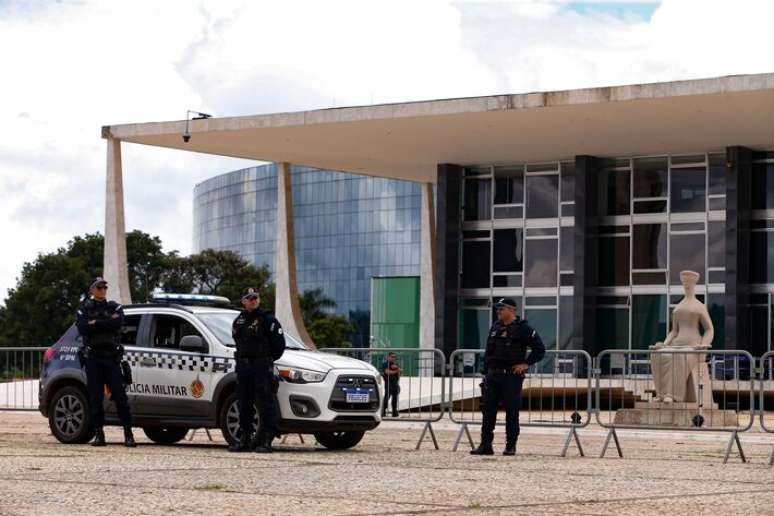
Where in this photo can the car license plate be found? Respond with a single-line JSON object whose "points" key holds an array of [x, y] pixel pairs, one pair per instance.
{"points": [[358, 397]]}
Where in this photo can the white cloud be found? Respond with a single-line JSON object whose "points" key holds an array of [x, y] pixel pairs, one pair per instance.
{"points": [[71, 67]]}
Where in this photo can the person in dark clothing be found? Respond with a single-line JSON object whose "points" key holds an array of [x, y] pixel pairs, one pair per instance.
{"points": [[99, 323], [259, 341], [506, 361], [391, 374]]}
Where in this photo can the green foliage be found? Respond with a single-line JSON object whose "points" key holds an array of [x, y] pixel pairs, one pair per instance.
{"points": [[313, 304], [330, 331]]}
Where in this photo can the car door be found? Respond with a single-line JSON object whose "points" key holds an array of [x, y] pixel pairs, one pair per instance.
{"points": [[172, 382], [127, 338]]}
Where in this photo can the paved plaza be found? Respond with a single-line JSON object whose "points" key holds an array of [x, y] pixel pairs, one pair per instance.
{"points": [[662, 473]]}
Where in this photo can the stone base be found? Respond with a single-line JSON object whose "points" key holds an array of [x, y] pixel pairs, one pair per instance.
{"points": [[674, 414]]}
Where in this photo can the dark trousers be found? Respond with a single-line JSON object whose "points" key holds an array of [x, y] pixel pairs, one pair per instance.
{"points": [[505, 388], [391, 391], [255, 387], [101, 372]]}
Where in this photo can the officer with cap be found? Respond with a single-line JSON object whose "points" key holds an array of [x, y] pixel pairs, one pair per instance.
{"points": [[99, 323], [259, 341], [506, 361]]}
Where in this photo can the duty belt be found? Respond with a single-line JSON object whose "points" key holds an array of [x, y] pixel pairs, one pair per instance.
{"points": [[499, 370]]}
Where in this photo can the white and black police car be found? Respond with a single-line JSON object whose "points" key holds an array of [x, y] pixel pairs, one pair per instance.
{"points": [[180, 351]]}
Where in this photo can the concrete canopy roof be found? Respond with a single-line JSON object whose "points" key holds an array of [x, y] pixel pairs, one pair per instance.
{"points": [[408, 140]]}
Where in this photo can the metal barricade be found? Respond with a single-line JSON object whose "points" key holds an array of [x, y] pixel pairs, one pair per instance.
{"points": [[677, 390], [766, 389], [19, 374], [557, 392], [421, 384]]}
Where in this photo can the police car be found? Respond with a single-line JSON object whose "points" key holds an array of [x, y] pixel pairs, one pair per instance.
{"points": [[180, 351]]}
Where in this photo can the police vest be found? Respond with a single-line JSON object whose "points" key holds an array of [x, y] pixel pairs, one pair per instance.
{"points": [[504, 347], [251, 336], [100, 339]]}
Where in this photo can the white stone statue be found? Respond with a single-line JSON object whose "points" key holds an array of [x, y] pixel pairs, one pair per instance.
{"points": [[677, 376]]}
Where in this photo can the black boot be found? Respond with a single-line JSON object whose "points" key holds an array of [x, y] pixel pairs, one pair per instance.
{"points": [[242, 445], [264, 445], [483, 449], [128, 437], [99, 437], [510, 449]]}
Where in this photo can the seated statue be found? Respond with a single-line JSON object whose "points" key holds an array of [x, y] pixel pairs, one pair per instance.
{"points": [[677, 376]]}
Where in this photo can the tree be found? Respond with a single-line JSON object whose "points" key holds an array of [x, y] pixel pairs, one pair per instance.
{"points": [[313, 304], [331, 331]]}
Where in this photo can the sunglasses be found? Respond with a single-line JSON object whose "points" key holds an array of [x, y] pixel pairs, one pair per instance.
{"points": [[101, 287]]}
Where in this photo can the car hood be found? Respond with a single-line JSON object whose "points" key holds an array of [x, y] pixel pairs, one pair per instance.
{"points": [[322, 362]]}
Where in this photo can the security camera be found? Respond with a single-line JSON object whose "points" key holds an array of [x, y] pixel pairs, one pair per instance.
{"points": [[186, 137]]}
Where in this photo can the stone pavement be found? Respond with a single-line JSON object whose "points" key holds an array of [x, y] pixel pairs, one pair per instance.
{"points": [[661, 473]]}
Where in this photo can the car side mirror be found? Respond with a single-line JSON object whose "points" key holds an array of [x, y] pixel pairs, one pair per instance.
{"points": [[193, 343]]}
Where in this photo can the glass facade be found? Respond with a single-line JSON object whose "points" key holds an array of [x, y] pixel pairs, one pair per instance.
{"points": [[348, 228], [652, 217]]}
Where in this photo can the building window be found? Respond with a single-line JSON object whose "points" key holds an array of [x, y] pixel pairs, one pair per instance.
{"points": [[543, 321], [688, 190], [543, 196], [763, 186], [568, 181], [478, 199], [650, 246], [509, 185], [475, 264], [649, 323], [650, 177], [508, 250], [612, 327], [686, 253], [716, 244], [566, 322], [613, 265], [567, 245], [540, 264], [717, 174], [613, 192], [762, 257]]}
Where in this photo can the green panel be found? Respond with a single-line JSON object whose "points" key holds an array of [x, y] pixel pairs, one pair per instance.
{"points": [[395, 312], [544, 322], [649, 324]]}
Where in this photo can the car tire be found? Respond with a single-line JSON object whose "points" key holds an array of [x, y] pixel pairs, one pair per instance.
{"points": [[165, 434], [339, 440], [229, 420], [69, 417]]}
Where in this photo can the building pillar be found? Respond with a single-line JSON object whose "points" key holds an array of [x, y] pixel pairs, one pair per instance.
{"points": [[738, 216], [586, 250], [115, 269], [287, 306], [427, 272], [448, 211]]}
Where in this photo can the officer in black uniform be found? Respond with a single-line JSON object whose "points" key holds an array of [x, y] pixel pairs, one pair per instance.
{"points": [[506, 360], [99, 323], [259, 341]]}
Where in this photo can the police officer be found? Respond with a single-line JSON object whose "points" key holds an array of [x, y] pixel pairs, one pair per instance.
{"points": [[506, 360], [259, 341], [99, 323]]}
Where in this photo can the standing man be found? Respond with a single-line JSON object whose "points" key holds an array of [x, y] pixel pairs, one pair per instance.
{"points": [[99, 323], [506, 360], [391, 374], [259, 341]]}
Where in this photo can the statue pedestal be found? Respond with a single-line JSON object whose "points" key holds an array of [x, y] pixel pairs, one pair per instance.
{"points": [[658, 413]]}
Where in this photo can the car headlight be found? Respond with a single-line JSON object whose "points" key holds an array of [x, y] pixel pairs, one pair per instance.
{"points": [[297, 375], [379, 379]]}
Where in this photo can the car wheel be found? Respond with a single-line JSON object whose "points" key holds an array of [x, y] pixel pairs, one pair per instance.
{"points": [[68, 416], [165, 434], [229, 420], [339, 440]]}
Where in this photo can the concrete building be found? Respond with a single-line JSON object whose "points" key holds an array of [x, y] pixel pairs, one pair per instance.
{"points": [[348, 228], [583, 204]]}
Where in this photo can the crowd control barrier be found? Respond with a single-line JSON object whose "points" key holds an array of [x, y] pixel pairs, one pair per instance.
{"points": [[420, 384], [766, 389], [557, 392], [677, 390], [19, 373]]}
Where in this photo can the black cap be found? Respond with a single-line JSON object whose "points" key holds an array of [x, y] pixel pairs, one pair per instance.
{"points": [[250, 293], [506, 301], [97, 282]]}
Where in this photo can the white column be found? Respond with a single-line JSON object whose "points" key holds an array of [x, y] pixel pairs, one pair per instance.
{"points": [[427, 271], [115, 269], [288, 308]]}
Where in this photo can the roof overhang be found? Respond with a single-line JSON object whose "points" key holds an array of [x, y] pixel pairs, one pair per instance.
{"points": [[408, 140]]}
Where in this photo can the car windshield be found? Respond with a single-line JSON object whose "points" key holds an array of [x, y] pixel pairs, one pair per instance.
{"points": [[219, 323]]}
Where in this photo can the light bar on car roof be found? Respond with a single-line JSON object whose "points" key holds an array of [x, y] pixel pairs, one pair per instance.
{"points": [[186, 299]]}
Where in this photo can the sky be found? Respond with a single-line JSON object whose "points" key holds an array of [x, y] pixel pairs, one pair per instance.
{"points": [[70, 67]]}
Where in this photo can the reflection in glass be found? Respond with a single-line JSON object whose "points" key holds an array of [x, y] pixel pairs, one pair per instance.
{"points": [[612, 328], [509, 185], [650, 206], [763, 186], [506, 280], [649, 323], [543, 321], [475, 264], [762, 257], [567, 247], [717, 174], [566, 322], [542, 196], [474, 328], [716, 244], [613, 192], [508, 250], [650, 246], [650, 177], [540, 264], [688, 190], [686, 253], [568, 181], [478, 199], [613, 265], [717, 312], [759, 326]]}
